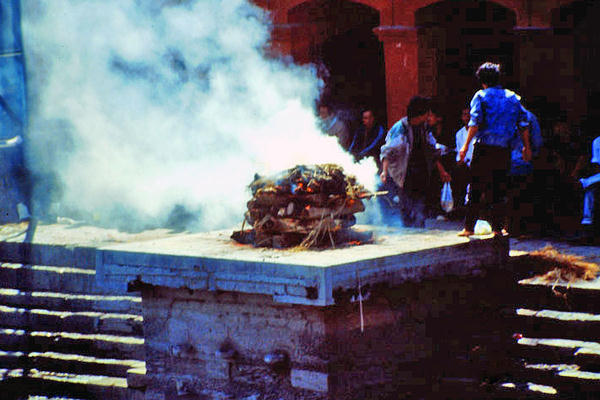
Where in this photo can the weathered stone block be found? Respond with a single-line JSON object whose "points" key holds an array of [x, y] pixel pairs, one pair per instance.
{"points": [[310, 380], [349, 320]]}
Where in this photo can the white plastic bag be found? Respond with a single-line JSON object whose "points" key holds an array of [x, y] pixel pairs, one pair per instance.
{"points": [[446, 200], [482, 227]]}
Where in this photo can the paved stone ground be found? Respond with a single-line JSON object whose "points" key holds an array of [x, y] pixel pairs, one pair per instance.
{"points": [[522, 244], [72, 234]]}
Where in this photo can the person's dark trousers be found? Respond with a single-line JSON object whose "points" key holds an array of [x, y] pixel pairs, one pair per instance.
{"points": [[389, 203], [489, 181], [402, 206], [461, 177], [521, 197]]}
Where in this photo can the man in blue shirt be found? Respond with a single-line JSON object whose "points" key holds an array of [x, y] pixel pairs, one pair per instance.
{"points": [[522, 194], [496, 116], [518, 166]]}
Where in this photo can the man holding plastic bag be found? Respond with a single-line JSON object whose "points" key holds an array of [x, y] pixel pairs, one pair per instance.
{"points": [[408, 157]]}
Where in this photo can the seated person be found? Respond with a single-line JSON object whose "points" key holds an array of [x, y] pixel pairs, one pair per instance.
{"points": [[591, 188], [368, 139]]}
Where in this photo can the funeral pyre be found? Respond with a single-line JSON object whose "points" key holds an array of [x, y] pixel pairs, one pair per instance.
{"points": [[305, 206]]}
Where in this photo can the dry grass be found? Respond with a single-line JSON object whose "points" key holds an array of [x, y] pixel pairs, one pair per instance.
{"points": [[565, 267]]}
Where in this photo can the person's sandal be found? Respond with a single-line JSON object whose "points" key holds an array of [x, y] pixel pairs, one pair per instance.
{"points": [[466, 233]]}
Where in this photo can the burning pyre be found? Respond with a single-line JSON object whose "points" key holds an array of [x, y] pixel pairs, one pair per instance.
{"points": [[306, 206]]}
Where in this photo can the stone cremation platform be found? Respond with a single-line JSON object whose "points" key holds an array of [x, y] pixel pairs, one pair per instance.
{"points": [[224, 320], [220, 317]]}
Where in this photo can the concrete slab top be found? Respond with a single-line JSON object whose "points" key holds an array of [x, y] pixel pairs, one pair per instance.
{"points": [[75, 234], [218, 245], [213, 261]]}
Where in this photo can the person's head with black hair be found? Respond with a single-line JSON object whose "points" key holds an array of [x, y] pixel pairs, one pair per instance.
{"points": [[418, 109], [488, 74], [435, 117], [368, 117], [324, 110]]}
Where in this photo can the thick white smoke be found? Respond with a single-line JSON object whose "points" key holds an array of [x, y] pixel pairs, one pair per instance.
{"points": [[140, 106]]}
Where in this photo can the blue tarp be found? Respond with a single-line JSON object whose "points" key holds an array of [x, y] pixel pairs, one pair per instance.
{"points": [[13, 112], [12, 71]]}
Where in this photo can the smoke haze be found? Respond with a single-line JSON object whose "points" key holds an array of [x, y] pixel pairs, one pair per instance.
{"points": [[139, 108]]}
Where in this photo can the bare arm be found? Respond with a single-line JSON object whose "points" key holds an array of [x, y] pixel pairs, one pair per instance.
{"points": [[470, 135], [444, 176], [526, 145], [384, 169]]}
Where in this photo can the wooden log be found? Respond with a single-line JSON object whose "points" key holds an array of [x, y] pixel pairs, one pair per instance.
{"points": [[283, 199], [345, 207], [273, 225], [341, 208]]}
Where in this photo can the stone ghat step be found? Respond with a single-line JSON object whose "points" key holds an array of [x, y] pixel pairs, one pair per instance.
{"points": [[47, 254], [69, 363], [559, 351], [567, 379], [467, 388], [36, 397], [108, 346], [80, 321], [537, 295], [15, 383], [71, 302], [51, 279], [557, 324], [479, 366], [480, 355]]}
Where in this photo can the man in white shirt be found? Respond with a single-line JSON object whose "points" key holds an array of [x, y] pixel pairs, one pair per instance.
{"points": [[461, 137], [462, 170]]}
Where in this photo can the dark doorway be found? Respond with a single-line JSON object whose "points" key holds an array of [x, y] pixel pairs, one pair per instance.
{"points": [[577, 25], [455, 37], [349, 55]]}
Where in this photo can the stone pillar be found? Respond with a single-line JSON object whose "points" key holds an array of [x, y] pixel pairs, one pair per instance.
{"points": [[400, 47]]}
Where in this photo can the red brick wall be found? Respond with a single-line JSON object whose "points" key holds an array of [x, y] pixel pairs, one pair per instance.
{"points": [[399, 36]]}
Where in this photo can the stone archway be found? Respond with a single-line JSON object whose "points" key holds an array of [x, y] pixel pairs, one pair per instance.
{"points": [[455, 37], [337, 36], [377, 5], [576, 41], [405, 9]]}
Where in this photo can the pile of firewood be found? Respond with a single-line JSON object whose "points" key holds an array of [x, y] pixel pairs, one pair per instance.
{"points": [[306, 206]]}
